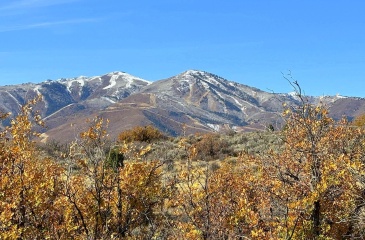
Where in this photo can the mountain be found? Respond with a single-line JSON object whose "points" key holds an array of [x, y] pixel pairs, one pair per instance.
{"points": [[193, 101], [65, 98], [213, 101]]}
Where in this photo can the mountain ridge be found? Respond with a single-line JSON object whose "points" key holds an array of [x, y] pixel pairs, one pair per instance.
{"points": [[202, 101]]}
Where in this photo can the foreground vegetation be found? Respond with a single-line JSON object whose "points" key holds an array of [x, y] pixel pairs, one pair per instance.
{"points": [[304, 182]]}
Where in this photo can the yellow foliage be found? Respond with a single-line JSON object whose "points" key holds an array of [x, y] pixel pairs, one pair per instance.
{"points": [[359, 121], [311, 189], [141, 134], [29, 184]]}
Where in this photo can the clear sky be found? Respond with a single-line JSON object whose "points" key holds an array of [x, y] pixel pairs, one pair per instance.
{"points": [[252, 42]]}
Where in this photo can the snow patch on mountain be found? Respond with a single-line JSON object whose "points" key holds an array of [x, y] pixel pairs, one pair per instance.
{"points": [[36, 89], [238, 103], [59, 110], [293, 94], [184, 86], [80, 81], [113, 82], [331, 99], [129, 82], [191, 72], [215, 127], [16, 100], [219, 94], [211, 80], [205, 85], [108, 99], [340, 96], [126, 78]]}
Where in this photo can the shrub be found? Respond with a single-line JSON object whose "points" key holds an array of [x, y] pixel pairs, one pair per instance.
{"points": [[359, 121], [141, 134], [211, 146], [115, 159]]}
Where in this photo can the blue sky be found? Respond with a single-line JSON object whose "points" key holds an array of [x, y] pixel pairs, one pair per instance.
{"points": [[322, 43]]}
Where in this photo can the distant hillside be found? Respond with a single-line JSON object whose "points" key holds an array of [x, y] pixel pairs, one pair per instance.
{"points": [[193, 101]]}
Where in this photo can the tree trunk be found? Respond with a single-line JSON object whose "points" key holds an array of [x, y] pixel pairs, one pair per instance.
{"points": [[316, 231]]}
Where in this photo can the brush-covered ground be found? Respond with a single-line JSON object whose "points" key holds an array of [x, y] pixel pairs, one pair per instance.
{"points": [[305, 181]]}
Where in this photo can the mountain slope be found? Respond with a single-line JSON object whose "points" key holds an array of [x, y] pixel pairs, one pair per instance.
{"points": [[215, 100], [64, 98], [193, 101]]}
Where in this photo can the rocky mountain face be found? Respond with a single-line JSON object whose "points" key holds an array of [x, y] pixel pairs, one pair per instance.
{"points": [[214, 102], [193, 101], [64, 98]]}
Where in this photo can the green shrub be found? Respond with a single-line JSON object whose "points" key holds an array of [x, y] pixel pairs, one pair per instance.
{"points": [[115, 159]]}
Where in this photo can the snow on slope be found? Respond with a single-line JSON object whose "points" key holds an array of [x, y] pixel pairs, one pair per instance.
{"points": [[113, 82], [80, 81], [123, 78], [36, 89]]}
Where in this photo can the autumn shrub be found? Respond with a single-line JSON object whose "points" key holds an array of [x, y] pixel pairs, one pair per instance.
{"points": [[141, 134], [214, 166], [111, 198], [30, 184], [312, 188], [210, 147], [92, 194], [217, 203], [359, 121], [314, 184]]}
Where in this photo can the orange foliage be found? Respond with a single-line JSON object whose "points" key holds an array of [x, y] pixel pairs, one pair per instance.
{"points": [[359, 121], [141, 134], [311, 189], [29, 184]]}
